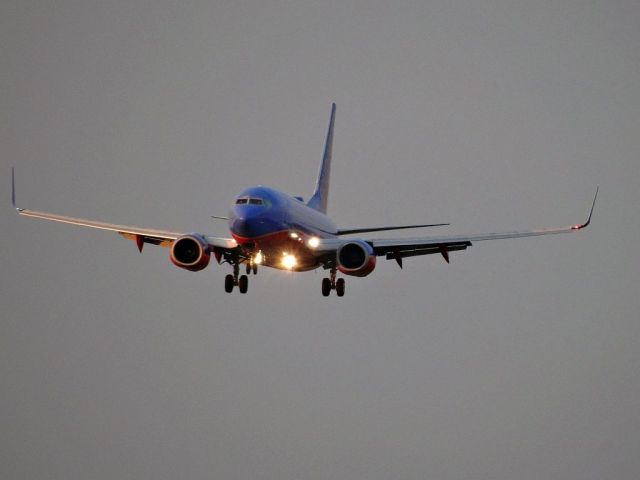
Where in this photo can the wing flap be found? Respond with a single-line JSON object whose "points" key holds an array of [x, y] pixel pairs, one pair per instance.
{"points": [[161, 242], [403, 253]]}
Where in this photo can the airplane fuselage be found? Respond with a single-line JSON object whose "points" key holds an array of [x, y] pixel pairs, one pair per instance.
{"points": [[278, 226]]}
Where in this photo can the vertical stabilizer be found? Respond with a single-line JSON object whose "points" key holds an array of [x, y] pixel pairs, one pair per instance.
{"points": [[320, 196]]}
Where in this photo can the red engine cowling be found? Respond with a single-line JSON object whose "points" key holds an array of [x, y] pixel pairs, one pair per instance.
{"points": [[190, 252], [356, 258]]}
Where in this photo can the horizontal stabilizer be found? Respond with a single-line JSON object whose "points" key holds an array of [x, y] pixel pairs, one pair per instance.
{"points": [[382, 229]]}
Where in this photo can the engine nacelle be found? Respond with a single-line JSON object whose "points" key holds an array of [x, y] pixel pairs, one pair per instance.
{"points": [[356, 258], [190, 252]]}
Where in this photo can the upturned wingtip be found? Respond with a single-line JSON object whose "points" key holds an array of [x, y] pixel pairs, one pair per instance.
{"points": [[586, 224], [13, 189]]}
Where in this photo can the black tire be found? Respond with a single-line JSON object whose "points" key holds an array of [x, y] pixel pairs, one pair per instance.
{"points": [[326, 287], [255, 268], [243, 284], [340, 287], [228, 283], [248, 268]]}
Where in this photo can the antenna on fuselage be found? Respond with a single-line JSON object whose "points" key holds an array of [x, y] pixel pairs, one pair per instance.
{"points": [[320, 196]]}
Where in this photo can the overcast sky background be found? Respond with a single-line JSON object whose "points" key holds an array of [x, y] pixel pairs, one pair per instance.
{"points": [[518, 360]]}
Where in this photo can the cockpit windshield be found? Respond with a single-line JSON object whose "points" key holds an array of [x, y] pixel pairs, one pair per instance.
{"points": [[252, 201]]}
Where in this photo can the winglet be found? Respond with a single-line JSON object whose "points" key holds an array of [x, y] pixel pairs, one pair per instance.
{"points": [[13, 190], [586, 224]]}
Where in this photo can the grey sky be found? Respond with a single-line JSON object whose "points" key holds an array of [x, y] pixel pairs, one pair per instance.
{"points": [[518, 360]]}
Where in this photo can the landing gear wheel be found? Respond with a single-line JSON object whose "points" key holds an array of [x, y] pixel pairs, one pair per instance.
{"points": [[228, 283], [248, 268], [255, 268], [340, 287], [243, 284], [326, 287]]}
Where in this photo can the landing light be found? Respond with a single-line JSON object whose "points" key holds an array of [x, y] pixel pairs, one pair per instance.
{"points": [[258, 258], [313, 242], [289, 261], [293, 235]]}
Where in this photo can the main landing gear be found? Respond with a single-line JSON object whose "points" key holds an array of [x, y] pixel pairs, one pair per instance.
{"points": [[252, 267], [241, 281], [331, 283], [237, 280]]}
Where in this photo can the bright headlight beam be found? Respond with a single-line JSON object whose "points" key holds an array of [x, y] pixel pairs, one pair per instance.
{"points": [[258, 258], [313, 242], [289, 261]]}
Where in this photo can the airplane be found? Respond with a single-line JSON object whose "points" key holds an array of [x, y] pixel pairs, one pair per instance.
{"points": [[272, 229]]}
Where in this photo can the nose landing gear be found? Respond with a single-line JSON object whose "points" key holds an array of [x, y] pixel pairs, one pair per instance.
{"points": [[241, 281]]}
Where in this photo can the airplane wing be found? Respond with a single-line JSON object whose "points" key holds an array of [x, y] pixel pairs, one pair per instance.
{"points": [[140, 235], [399, 248]]}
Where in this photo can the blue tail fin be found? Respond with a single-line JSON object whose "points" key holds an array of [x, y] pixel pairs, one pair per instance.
{"points": [[319, 198]]}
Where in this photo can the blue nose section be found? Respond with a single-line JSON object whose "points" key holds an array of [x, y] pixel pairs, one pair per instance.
{"points": [[250, 222], [244, 227]]}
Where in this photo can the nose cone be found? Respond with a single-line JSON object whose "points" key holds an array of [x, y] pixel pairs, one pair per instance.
{"points": [[252, 222]]}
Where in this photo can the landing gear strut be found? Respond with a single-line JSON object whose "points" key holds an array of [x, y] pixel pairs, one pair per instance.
{"points": [[241, 281], [331, 283]]}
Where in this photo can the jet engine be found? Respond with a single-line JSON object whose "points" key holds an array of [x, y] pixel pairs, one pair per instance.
{"points": [[190, 252], [356, 258]]}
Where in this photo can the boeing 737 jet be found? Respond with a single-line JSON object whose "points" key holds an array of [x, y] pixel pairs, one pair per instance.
{"points": [[272, 229]]}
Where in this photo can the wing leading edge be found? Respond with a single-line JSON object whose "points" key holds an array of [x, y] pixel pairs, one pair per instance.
{"points": [[140, 235]]}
